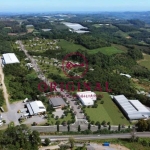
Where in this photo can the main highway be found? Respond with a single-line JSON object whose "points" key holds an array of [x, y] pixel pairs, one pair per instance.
{"points": [[94, 137]]}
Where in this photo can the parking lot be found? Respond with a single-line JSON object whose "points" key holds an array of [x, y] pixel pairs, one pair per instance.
{"points": [[12, 115]]}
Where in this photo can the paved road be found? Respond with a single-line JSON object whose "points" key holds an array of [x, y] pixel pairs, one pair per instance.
{"points": [[93, 137], [42, 77], [73, 127]]}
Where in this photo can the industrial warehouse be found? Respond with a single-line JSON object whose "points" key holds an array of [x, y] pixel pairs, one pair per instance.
{"points": [[9, 58], [133, 109], [87, 98], [35, 107]]}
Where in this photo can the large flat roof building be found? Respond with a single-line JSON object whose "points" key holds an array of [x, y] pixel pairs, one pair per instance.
{"points": [[87, 98], [131, 108], [140, 107], [35, 107], [57, 102], [9, 58]]}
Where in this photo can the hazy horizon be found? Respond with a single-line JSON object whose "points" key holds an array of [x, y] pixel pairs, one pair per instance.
{"points": [[46, 6]]}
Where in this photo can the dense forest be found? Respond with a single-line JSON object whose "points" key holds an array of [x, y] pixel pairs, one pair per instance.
{"points": [[19, 137]]}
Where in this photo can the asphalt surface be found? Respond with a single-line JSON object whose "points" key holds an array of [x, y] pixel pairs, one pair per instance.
{"points": [[94, 137]]}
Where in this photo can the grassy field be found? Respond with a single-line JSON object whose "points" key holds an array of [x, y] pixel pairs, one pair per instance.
{"points": [[105, 50], [120, 47], [70, 47], [107, 111], [145, 62]]}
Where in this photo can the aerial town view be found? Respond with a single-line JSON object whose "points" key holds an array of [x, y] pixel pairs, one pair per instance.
{"points": [[75, 75]]}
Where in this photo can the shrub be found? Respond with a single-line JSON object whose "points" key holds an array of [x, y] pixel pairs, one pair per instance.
{"points": [[92, 122], [56, 117], [97, 123], [108, 123], [47, 141], [102, 102], [104, 122]]}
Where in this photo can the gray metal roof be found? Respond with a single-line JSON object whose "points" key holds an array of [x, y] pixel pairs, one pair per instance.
{"points": [[129, 109], [30, 109], [57, 101]]}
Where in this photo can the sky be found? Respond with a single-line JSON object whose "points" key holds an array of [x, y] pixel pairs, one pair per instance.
{"points": [[73, 5]]}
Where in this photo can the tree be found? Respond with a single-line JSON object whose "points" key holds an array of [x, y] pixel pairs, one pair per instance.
{"points": [[47, 141], [89, 126], [142, 125], [71, 141], [57, 127], [79, 128], [34, 138], [93, 122], [119, 127], [68, 128], [104, 122], [109, 128], [97, 123], [99, 126]]}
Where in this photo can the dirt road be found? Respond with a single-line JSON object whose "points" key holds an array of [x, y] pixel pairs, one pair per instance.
{"points": [[6, 96]]}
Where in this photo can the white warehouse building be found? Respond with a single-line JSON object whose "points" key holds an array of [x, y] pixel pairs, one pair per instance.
{"points": [[9, 58], [133, 109], [87, 98], [35, 107]]}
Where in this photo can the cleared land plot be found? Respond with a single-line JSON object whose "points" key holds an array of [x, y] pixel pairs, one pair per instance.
{"points": [[108, 112], [145, 62]]}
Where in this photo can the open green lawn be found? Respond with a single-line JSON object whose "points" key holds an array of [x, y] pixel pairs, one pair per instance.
{"points": [[145, 62], [71, 47], [106, 50], [107, 111]]}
